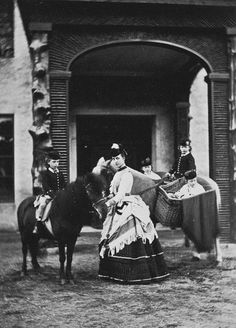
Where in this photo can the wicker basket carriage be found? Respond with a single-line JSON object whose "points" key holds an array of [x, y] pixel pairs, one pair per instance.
{"points": [[168, 210]]}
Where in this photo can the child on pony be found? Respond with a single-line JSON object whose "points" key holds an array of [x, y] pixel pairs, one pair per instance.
{"points": [[52, 181]]}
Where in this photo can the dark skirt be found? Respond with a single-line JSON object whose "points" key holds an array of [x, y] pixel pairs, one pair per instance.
{"points": [[135, 263]]}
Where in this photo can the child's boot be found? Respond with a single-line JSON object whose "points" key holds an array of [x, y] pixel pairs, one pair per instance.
{"points": [[36, 227]]}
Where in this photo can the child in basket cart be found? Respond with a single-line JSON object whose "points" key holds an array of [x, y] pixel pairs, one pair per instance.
{"points": [[191, 188]]}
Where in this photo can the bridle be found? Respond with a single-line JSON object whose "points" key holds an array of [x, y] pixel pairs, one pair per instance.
{"points": [[94, 204], [99, 201]]}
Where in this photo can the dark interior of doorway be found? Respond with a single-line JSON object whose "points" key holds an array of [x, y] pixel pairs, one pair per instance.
{"points": [[95, 135]]}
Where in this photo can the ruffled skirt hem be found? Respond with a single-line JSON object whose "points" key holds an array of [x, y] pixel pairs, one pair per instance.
{"points": [[136, 263]]}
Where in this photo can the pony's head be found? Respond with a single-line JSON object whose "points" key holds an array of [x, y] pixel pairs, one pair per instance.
{"points": [[98, 183], [105, 169], [96, 189]]}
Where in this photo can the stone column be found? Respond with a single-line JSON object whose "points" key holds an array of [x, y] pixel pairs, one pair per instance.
{"points": [[220, 169], [232, 119], [41, 126], [182, 120]]}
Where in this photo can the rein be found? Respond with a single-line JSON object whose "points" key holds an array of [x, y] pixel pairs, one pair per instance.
{"points": [[98, 201], [152, 187], [140, 193], [108, 165]]}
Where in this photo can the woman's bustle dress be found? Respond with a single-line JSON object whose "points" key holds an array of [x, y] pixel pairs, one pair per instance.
{"points": [[130, 251]]}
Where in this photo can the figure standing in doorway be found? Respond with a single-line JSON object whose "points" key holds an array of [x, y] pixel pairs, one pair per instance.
{"points": [[146, 167]]}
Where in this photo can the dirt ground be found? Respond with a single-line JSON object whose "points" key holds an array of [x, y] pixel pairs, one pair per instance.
{"points": [[197, 294]]}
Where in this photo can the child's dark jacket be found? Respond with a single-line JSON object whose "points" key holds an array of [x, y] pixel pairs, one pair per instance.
{"points": [[52, 182], [183, 164]]}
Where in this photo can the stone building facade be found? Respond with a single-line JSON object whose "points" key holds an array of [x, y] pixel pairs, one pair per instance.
{"points": [[15, 114], [145, 72]]}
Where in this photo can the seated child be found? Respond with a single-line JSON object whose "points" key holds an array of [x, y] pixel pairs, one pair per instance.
{"points": [[191, 188], [52, 181]]}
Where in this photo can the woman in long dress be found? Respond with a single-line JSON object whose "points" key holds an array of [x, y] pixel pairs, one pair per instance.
{"points": [[129, 248]]}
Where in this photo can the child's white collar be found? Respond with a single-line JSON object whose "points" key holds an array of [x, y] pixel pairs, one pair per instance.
{"points": [[185, 154], [53, 171]]}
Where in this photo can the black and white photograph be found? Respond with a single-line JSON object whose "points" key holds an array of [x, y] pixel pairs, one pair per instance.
{"points": [[117, 163]]}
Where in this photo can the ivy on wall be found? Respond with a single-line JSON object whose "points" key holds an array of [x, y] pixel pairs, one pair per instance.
{"points": [[6, 28]]}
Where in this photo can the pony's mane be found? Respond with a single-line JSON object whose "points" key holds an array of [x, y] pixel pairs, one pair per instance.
{"points": [[77, 184], [71, 199], [96, 182]]}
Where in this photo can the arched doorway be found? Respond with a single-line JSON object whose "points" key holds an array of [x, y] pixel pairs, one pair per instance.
{"points": [[96, 133], [140, 92]]}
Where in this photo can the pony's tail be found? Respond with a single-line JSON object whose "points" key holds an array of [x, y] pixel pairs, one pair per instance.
{"points": [[21, 211], [19, 218]]}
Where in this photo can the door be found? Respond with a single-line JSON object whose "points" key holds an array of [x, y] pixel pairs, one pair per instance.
{"points": [[95, 135]]}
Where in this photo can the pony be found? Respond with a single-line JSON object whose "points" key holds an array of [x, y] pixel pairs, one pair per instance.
{"points": [[148, 190], [68, 213]]}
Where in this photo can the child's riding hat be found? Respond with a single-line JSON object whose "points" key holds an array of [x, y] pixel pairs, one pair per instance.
{"points": [[185, 143], [53, 154], [189, 175], [117, 149], [146, 162]]}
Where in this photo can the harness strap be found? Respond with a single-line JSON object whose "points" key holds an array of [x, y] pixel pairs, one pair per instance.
{"points": [[152, 187], [99, 201]]}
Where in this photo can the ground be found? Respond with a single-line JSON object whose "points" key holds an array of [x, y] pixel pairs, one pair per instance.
{"points": [[197, 294]]}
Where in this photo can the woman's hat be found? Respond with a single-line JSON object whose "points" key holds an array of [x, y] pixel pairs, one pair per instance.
{"points": [[146, 161], [185, 143], [117, 149], [54, 155], [189, 175]]}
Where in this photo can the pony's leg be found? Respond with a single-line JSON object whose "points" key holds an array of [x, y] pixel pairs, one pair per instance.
{"points": [[33, 246], [24, 263], [62, 257], [186, 242], [70, 251], [219, 257], [196, 256]]}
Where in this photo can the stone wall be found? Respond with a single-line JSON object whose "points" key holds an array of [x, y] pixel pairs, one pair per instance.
{"points": [[77, 28], [199, 132], [16, 99], [211, 45]]}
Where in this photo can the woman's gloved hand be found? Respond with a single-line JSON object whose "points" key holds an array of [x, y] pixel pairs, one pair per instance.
{"points": [[110, 202]]}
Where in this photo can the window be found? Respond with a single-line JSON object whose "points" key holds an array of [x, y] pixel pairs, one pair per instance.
{"points": [[6, 159]]}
